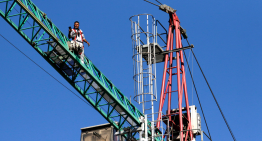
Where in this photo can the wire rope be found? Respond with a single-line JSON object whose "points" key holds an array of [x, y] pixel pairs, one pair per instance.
{"points": [[197, 96], [159, 2], [44, 70], [213, 95], [151, 3], [50, 74]]}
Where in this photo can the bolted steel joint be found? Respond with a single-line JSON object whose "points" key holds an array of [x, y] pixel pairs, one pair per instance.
{"points": [[33, 44], [44, 15], [167, 8], [183, 32]]}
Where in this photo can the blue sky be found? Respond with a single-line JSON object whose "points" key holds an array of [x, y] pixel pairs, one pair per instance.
{"points": [[227, 39]]}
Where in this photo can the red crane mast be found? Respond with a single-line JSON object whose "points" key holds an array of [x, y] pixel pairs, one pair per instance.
{"points": [[171, 69]]}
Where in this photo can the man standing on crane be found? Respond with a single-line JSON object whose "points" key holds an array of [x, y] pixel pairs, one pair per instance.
{"points": [[78, 39]]}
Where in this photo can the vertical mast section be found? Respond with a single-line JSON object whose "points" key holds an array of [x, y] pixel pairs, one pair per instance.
{"points": [[166, 89]]}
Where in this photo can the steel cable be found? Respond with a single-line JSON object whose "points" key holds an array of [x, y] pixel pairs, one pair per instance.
{"points": [[45, 70], [50, 74], [213, 95], [197, 94], [159, 2], [151, 3]]}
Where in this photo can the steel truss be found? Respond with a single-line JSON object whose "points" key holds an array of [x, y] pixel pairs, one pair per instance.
{"points": [[166, 87]]}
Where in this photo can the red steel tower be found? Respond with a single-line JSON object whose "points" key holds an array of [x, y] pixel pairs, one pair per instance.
{"points": [[174, 69]]}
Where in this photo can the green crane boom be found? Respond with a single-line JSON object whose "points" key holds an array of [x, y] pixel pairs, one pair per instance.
{"points": [[41, 33]]}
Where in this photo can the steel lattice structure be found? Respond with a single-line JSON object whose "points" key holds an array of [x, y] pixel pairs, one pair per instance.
{"points": [[41, 33], [167, 87]]}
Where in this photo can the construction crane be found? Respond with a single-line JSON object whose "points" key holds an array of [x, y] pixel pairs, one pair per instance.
{"points": [[42, 34], [46, 38]]}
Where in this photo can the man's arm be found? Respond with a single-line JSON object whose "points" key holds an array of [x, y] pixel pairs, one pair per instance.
{"points": [[69, 36], [86, 42], [84, 39], [70, 29]]}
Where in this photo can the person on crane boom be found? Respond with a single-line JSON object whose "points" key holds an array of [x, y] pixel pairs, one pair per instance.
{"points": [[78, 39]]}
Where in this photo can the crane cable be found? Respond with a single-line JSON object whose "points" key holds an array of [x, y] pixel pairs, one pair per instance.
{"points": [[51, 75], [197, 95], [44, 70], [213, 95], [159, 2], [152, 3]]}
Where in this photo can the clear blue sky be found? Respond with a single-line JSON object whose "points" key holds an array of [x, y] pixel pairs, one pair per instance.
{"points": [[227, 38]]}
